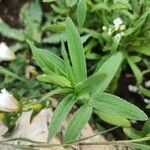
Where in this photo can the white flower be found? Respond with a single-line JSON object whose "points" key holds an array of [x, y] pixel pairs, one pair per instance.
{"points": [[118, 36], [104, 28], [5, 53], [7, 102], [110, 31], [117, 23], [132, 88], [147, 84], [122, 27], [147, 101]]}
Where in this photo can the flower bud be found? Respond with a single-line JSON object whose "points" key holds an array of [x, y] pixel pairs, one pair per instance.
{"points": [[7, 102]]}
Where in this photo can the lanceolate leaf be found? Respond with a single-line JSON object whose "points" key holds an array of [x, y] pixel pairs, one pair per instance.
{"points": [[90, 84], [55, 79], [81, 12], [77, 123], [113, 104], [60, 114], [109, 67], [48, 60], [76, 51], [115, 119], [137, 72], [67, 63]]}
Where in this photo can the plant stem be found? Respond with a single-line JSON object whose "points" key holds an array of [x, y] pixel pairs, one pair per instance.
{"points": [[43, 145]]}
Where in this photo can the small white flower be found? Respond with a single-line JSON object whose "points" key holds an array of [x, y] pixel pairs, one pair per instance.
{"points": [[146, 100], [104, 28], [132, 88], [118, 36], [147, 84], [110, 31], [5, 53], [7, 102], [122, 27], [117, 23]]}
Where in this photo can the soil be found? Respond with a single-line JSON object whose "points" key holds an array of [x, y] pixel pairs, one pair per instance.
{"points": [[9, 12]]}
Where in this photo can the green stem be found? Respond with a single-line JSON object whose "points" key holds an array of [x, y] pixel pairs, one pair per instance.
{"points": [[21, 139], [42, 145], [118, 142]]}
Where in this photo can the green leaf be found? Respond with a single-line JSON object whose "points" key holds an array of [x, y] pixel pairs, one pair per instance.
{"points": [[137, 72], [139, 146], [133, 133], [70, 3], [81, 12], [100, 6], [67, 64], [48, 60], [113, 104], [144, 91], [80, 118], [35, 11], [137, 24], [60, 114], [59, 27], [146, 127], [12, 33], [113, 118], [144, 49], [109, 66], [90, 84], [31, 17], [55, 79], [55, 38], [76, 51]]}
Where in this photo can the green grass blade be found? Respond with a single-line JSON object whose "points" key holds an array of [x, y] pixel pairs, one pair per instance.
{"points": [[60, 114], [81, 12], [76, 51], [77, 123], [114, 104]]}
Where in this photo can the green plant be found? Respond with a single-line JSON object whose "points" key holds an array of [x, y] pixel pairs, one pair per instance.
{"points": [[116, 25], [70, 75]]}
